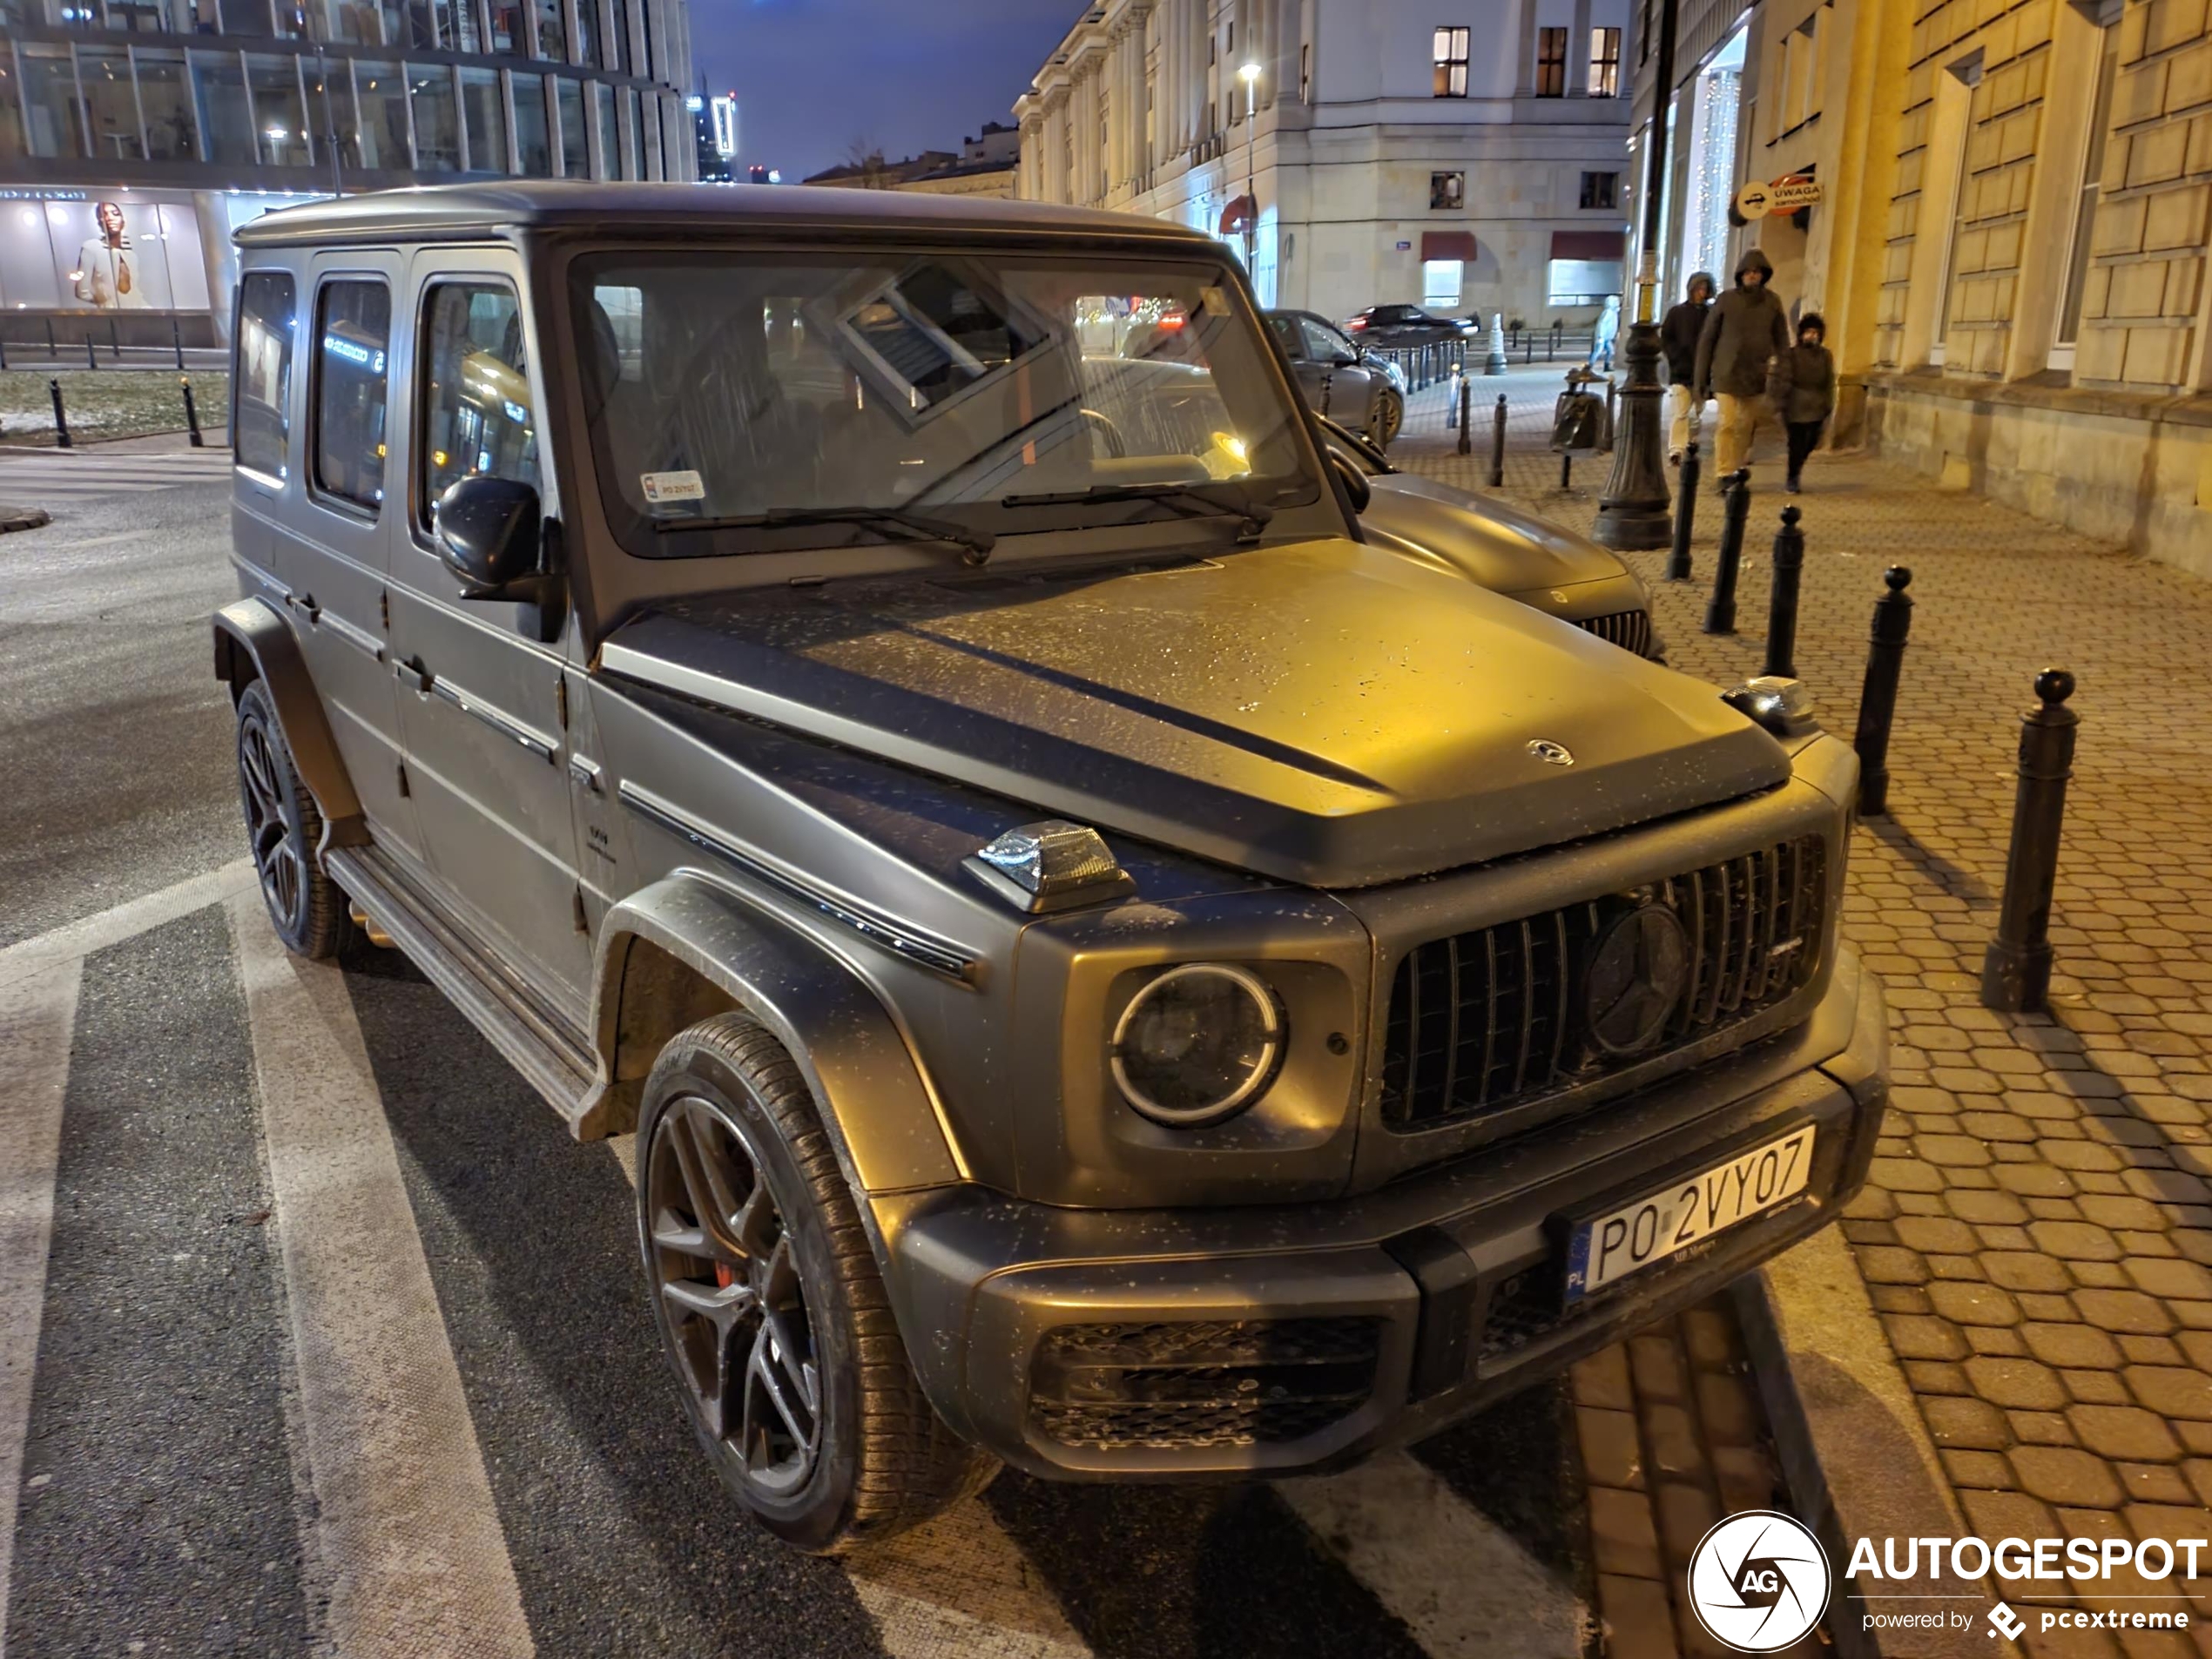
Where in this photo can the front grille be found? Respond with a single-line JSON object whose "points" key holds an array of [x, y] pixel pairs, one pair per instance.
{"points": [[1629, 630], [1201, 1383], [1491, 1019], [1525, 1307]]}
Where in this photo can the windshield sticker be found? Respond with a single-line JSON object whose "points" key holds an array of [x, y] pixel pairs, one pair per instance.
{"points": [[666, 488], [1215, 301]]}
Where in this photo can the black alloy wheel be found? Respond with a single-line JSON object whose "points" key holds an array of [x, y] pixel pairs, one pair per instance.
{"points": [[732, 1296], [283, 828]]}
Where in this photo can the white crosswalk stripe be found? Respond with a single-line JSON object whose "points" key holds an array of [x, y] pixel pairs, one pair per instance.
{"points": [[41, 479], [406, 1537]]}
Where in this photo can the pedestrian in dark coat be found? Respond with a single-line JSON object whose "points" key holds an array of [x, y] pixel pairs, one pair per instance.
{"points": [[1802, 386], [1678, 340], [1745, 329]]}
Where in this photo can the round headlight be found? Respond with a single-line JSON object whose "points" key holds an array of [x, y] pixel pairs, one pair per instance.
{"points": [[1197, 1044]]}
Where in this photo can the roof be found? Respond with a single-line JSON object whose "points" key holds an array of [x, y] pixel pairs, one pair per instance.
{"points": [[440, 212]]}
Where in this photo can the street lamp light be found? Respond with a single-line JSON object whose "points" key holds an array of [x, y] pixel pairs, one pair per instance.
{"points": [[1632, 513], [1250, 75]]}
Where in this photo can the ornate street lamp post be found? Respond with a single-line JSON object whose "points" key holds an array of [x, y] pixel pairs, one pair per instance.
{"points": [[1633, 512], [1250, 75]]}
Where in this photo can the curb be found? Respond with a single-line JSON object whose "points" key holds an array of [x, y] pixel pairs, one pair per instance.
{"points": [[1854, 1451], [22, 518]]}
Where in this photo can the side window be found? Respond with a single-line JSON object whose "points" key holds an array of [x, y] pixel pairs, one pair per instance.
{"points": [[353, 330], [1325, 343], [1293, 338], [261, 383], [477, 416]]}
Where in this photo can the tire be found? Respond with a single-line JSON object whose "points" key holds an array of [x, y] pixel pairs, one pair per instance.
{"points": [[283, 827], [727, 1123], [1390, 416]]}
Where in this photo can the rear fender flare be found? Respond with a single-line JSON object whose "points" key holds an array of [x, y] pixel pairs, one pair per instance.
{"points": [[882, 1117], [254, 642]]}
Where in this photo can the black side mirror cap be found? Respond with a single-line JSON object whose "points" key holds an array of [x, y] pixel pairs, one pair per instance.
{"points": [[1356, 489], [1341, 361], [490, 535]]}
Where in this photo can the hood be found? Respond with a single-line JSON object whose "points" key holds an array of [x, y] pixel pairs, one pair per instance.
{"points": [[1712, 287], [1324, 713], [1755, 260], [1490, 543]]}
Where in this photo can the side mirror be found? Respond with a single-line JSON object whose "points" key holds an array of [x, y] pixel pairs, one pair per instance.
{"points": [[489, 534], [1344, 361], [1354, 479]]}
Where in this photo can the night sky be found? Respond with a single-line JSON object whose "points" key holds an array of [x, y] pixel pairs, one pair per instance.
{"points": [[813, 77]]}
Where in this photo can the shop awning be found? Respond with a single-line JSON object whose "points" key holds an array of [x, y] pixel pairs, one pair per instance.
{"points": [[1589, 244], [1448, 244], [1237, 216]]}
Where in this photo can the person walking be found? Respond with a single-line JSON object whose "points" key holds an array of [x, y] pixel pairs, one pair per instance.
{"points": [[1607, 331], [1802, 388], [1745, 329], [1678, 338]]}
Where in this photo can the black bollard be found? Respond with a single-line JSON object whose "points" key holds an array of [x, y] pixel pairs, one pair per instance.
{"points": [[177, 343], [1466, 402], [1554, 352], [114, 346], [91, 361], [2016, 969], [1567, 470], [1529, 353], [1720, 612], [1612, 398], [1685, 515], [191, 416], [1877, 696], [61, 416], [53, 349], [1327, 380], [1782, 598], [4, 352], [1498, 444]]}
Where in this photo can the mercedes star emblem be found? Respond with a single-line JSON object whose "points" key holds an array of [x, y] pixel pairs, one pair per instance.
{"points": [[1639, 968], [1552, 754]]}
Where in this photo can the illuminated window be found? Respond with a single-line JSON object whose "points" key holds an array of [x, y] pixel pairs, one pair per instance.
{"points": [[1605, 63], [1448, 190], [1451, 52]]}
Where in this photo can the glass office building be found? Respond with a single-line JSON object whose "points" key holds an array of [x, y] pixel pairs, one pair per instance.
{"points": [[136, 135]]}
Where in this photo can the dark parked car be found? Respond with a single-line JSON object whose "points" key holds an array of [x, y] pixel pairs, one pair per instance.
{"points": [[1342, 381], [1495, 544], [1406, 326], [1110, 970]]}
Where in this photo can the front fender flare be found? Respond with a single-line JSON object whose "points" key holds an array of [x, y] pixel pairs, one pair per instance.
{"points": [[252, 630], [881, 1115]]}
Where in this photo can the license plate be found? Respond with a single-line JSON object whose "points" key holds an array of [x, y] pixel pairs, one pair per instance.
{"points": [[1664, 1224]]}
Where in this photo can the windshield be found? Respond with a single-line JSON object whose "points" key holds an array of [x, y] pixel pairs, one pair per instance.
{"points": [[738, 386]]}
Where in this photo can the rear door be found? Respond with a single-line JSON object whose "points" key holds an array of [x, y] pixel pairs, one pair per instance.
{"points": [[337, 532], [1312, 376], [1351, 395], [482, 706]]}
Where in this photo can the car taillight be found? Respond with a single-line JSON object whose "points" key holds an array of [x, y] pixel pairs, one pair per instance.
{"points": [[1356, 324]]}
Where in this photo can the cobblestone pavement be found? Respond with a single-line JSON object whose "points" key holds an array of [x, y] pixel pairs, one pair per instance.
{"points": [[2038, 1232]]}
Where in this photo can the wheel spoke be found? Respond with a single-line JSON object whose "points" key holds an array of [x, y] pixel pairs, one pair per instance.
{"points": [[767, 1368], [721, 1305]]}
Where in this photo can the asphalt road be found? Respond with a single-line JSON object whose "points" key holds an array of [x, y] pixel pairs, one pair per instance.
{"points": [[318, 1335]]}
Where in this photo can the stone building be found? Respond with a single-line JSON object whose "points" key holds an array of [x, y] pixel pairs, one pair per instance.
{"points": [[984, 165], [1465, 156], [2010, 242]]}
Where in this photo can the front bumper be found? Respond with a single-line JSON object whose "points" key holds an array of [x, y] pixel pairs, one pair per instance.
{"points": [[1435, 1295]]}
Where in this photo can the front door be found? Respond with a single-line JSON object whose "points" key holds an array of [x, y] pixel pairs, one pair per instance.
{"points": [[482, 703], [336, 553]]}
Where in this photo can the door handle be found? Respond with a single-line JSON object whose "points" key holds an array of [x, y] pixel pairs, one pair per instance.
{"points": [[413, 675], [305, 602]]}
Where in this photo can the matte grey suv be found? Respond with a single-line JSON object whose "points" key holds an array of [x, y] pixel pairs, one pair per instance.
{"points": [[1108, 972]]}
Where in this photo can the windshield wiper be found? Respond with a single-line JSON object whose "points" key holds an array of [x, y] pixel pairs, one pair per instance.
{"points": [[976, 545], [1186, 496]]}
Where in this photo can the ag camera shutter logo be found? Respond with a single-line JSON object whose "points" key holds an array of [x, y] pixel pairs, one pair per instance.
{"points": [[1758, 1581]]}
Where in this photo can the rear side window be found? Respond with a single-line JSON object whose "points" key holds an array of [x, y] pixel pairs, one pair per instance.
{"points": [[262, 383], [353, 330], [477, 416]]}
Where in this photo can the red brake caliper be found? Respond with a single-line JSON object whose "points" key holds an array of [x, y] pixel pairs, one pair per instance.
{"points": [[725, 1274]]}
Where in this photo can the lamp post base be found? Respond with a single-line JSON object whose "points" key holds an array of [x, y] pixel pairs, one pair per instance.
{"points": [[1634, 515]]}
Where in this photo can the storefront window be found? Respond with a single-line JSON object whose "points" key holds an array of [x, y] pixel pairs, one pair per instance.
{"points": [[50, 105], [356, 23], [437, 127], [164, 96], [277, 111], [219, 93], [105, 74], [533, 144], [487, 120], [377, 140], [575, 155]]}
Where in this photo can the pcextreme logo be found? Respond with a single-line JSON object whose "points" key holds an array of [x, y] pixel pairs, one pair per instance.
{"points": [[1760, 1581]]}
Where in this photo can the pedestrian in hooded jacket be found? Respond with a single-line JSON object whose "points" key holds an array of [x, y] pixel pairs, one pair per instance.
{"points": [[1743, 333], [1607, 330], [1678, 338], [1802, 388]]}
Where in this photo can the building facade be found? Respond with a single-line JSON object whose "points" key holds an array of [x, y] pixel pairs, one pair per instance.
{"points": [[2010, 242], [984, 165], [1465, 157], [136, 135]]}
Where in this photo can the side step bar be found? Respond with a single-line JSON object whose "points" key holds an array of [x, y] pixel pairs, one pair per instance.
{"points": [[526, 1036]]}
